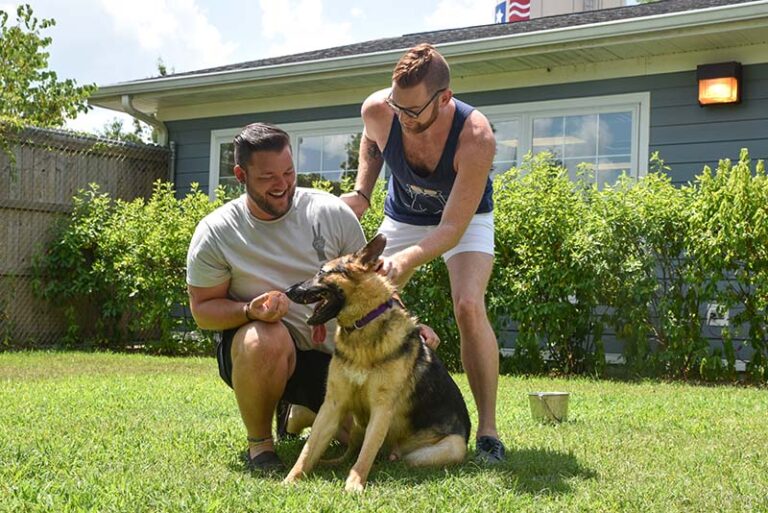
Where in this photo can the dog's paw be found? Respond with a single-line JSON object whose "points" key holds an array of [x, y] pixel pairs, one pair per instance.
{"points": [[290, 480], [355, 483]]}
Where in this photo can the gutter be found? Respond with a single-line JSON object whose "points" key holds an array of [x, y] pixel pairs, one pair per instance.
{"points": [[162, 132], [637, 28]]}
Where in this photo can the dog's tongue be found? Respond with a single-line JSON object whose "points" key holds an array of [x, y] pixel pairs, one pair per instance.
{"points": [[318, 334]]}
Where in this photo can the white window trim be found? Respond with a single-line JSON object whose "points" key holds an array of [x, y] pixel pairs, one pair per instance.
{"points": [[218, 137], [294, 130], [638, 103]]}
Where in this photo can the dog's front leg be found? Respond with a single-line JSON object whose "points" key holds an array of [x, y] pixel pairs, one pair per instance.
{"points": [[326, 423], [375, 433]]}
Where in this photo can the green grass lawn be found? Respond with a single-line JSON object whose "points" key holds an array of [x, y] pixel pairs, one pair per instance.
{"points": [[123, 433]]}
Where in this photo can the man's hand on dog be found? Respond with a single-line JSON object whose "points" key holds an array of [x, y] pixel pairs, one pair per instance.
{"points": [[269, 307], [392, 268], [429, 336]]}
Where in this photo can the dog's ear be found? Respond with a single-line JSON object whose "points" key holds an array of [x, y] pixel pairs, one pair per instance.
{"points": [[372, 251]]}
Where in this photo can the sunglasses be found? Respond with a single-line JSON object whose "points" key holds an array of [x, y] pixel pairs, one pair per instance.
{"points": [[410, 112]]}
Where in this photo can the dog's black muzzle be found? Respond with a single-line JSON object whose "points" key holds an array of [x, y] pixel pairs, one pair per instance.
{"points": [[330, 300]]}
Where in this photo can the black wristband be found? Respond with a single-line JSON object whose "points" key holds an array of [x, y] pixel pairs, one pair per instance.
{"points": [[246, 309], [361, 193]]}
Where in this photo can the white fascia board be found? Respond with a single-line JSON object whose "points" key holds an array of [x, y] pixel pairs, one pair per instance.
{"points": [[712, 18], [294, 69]]}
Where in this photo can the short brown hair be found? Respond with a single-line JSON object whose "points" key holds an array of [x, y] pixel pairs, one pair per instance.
{"points": [[258, 137], [422, 63]]}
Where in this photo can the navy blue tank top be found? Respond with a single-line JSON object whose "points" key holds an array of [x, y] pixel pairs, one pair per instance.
{"points": [[416, 199]]}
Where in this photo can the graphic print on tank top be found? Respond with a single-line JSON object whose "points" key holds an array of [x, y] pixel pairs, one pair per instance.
{"points": [[425, 200]]}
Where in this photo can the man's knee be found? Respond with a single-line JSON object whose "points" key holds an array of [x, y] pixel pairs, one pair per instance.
{"points": [[469, 309], [263, 344]]}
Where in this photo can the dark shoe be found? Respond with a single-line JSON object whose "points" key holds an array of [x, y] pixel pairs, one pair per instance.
{"points": [[265, 462], [489, 450]]}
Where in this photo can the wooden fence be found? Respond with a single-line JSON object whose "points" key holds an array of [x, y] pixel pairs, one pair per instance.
{"points": [[40, 171]]}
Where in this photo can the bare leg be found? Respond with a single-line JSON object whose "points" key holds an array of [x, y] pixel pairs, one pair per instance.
{"points": [[263, 359], [469, 273]]}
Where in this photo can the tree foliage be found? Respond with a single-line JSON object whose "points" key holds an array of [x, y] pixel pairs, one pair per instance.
{"points": [[549, 265], [31, 93], [729, 241], [116, 131]]}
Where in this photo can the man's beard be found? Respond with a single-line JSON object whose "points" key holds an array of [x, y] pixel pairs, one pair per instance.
{"points": [[421, 127], [263, 202]]}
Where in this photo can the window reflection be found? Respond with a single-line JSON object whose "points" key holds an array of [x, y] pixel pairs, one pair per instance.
{"points": [[603, 141], [507, 143], [328, 157], [226, 168]]}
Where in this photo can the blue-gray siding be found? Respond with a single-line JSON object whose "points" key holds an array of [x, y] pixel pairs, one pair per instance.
{"points": [[686, 135]]}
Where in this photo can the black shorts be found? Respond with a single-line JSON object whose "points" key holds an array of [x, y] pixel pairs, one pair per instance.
{"points": [[305, 387]]}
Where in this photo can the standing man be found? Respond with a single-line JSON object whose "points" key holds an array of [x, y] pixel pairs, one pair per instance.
{"points": [[242, 256], [439, 202]]}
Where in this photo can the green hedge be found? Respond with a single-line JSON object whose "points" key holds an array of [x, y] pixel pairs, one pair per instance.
{"points": [[638, 260], [117, 269]]}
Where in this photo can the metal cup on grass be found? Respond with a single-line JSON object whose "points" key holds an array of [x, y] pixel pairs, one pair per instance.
{"points": [[549, 406]]}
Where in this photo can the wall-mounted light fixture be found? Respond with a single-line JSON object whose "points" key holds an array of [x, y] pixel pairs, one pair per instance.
{"points": [[719, 83]]}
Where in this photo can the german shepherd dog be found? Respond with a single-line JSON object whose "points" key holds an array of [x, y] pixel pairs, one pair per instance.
{"points": [[396, 388]]}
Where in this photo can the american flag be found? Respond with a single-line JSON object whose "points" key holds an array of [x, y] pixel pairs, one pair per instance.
{"points": [[518, 10], [501, 12]]}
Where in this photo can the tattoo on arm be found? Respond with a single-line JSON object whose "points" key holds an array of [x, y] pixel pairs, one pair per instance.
{"points": [[372, 150]]}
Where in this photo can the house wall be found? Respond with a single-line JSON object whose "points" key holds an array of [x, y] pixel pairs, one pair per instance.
{"points": [[687, 136]]}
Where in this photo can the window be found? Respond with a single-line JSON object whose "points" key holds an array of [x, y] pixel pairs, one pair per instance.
{"points": [[507, 143], [323, 149], [609, 133], [329, 157], [226, 164]]}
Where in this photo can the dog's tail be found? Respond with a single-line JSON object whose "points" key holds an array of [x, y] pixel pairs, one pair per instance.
{"points": [[354, 442], [339, 460]]}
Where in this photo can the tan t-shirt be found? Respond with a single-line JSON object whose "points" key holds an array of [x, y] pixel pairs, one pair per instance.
{"points": [[260, 256]]}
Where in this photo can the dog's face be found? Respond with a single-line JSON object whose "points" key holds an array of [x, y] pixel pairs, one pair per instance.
{"points": [[337, 281]]}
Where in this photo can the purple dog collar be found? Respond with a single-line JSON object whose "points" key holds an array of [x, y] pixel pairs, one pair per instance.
{"points": [[370, 316]]}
